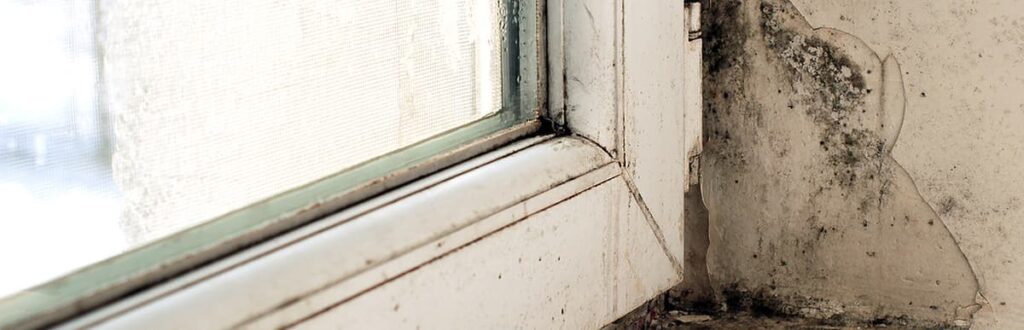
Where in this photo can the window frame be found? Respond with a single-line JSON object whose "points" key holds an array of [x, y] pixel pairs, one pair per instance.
{"points": [[615, 79], [433, 253], [523, 101]]}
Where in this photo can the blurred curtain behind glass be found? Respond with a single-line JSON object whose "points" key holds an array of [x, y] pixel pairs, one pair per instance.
{"points": [[59, 207], [221, 104]]}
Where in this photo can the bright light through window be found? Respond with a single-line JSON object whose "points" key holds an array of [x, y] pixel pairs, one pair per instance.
{"points": [[124, 121]]}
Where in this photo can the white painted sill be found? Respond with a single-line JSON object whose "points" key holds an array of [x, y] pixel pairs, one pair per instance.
{"points": [[286, 280]]}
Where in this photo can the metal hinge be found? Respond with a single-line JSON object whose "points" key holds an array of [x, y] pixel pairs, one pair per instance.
{"points": [[692, 93], [692, 8]]}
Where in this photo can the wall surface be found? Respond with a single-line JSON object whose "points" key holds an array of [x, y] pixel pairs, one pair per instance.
{"points": [[963, 63], [863, 158]]}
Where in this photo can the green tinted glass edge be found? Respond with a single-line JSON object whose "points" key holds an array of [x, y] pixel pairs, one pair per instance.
{"points": [[133, 264]]}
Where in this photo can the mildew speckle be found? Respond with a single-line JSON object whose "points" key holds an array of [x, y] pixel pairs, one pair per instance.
{"points": [[801, 190], [836, 91], [947, 205]]}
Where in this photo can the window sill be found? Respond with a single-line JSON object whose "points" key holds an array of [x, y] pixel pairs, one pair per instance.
{"points": [[285, 280]]}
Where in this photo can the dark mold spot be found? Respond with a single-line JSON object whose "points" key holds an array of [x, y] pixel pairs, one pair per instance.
{"points": [[837, 90], [725, 57], [947, 205], [759, 303], [723, 38]]}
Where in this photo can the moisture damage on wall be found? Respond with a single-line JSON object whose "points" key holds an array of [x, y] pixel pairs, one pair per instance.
{"points": [[808, 213]]}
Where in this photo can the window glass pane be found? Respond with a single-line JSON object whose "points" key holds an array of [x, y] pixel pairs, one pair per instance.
{"points": [[59, 205], [222, 103], [123, 121]]}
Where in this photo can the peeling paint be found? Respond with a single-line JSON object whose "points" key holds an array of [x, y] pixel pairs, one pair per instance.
{"points": [[807, 208]]}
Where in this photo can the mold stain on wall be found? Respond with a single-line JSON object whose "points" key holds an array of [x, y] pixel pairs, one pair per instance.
{"points": [[808, 212]]}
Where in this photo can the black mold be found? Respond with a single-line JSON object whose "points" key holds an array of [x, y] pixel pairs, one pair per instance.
{"points": [[838, 91], [825, 88]]}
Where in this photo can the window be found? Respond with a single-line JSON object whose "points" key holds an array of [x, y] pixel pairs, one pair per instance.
{"points": [[163, 134]]}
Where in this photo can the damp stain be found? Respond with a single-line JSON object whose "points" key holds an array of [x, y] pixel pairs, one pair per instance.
{"points": [[802, 193]]}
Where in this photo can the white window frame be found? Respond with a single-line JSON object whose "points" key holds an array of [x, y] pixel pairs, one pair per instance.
{"points": [[623, 82]]}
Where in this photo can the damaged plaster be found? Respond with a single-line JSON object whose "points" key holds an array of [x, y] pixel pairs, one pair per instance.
{"points": [[808, 212], [961, 139]]}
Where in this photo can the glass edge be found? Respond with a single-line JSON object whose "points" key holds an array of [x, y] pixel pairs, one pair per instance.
{"points": [[532, 58], [133, 269]]}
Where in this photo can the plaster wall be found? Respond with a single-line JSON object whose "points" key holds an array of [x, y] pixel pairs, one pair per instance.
{"points": [[963, 64], [863, 158]]}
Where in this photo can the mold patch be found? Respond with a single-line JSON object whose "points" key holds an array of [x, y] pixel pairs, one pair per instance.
{"points": [[805, 203]]}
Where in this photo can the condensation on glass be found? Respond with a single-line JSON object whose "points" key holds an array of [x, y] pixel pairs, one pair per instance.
{"points": [[124, 121]]}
